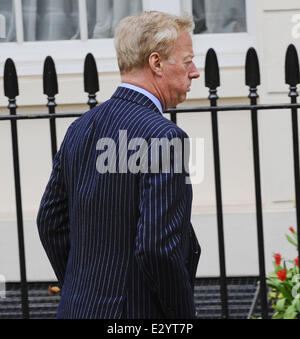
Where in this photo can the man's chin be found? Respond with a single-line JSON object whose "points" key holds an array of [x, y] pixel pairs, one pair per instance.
{"points": [[182, 98]]}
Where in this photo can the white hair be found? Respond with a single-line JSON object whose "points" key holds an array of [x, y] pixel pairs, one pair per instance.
{"points": [[137, 37]]}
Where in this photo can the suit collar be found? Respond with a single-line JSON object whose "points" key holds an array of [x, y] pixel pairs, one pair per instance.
{"points": [[136, 97]]}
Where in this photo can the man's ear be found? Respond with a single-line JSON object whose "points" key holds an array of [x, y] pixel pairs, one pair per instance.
{"points": [[156, 63]]}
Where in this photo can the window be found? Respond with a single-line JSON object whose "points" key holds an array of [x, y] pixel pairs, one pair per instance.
{"points": [[228, 26], [219, 16], [7, 12], [50, 20], [47, 20], [69, 29], [103, 15]]}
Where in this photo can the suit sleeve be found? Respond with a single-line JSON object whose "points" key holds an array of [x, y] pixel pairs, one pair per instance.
{"points": [[159, 241], [53, 220]]}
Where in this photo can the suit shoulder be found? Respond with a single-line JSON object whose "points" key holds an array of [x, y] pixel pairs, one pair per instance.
{"points": [[167, 129]]}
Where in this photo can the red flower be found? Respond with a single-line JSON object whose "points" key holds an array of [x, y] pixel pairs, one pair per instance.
{"points": [[292, 229], [281, 275], [297, 261], [277, 258]]}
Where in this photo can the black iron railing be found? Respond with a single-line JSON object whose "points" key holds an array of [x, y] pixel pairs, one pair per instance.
{"points": [[212, 82]]}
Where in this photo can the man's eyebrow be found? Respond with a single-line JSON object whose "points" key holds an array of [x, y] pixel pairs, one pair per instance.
{"points": [[190, 56]]}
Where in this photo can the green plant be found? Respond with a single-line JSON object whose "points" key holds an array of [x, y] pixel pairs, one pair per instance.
{"points": [[284, 282]]}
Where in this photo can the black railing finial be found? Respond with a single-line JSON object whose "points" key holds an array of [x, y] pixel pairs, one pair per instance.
{"points": [[91, 80], [50, 78], [292, 73], [11, 90], [51, 89], [212, 72], [212, 81], [252, 69], [253, 80], [11, 87], [292, 78]]}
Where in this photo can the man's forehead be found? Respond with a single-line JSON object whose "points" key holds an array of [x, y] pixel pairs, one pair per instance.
{"points": [[183, 47], [185, 41], [188, 52]]}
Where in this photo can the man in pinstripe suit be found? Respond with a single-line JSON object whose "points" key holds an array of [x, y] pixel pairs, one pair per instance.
{"points": [[121, 243]]}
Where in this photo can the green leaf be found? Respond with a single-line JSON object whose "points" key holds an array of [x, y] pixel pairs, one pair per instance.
{"points": [[291, 241], [296, 304], [281, 287], [277, 315], [290, 313], [280, 296], [280, 305], [295, 235], [272, 275]]}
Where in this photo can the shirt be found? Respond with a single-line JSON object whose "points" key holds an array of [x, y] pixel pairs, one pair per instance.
{"points": [[143, 91]]}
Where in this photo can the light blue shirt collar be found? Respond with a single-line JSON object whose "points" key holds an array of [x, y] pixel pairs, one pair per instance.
{"points": [[146, 93]]}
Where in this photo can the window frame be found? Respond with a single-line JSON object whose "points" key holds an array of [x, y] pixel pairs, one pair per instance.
{"points": [[69, 54], [232, 47]]}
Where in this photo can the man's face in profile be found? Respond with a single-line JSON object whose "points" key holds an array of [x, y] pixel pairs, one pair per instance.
{"points": [[179, 70]]}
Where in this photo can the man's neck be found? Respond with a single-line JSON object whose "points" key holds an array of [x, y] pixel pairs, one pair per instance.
{"points": [[145, 81]]}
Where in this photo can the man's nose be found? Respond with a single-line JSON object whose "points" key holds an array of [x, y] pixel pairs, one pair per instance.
{"points": [[194, 74]]}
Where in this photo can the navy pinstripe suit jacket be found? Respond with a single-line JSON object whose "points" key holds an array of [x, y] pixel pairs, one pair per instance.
{"points": [[121, 245]]}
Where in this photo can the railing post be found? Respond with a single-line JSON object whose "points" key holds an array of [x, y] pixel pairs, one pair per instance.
{"points": [[11, 90], [174, 118], [292, 75], [91, 80], [51, 89], [212, 81], [253, 80]]}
